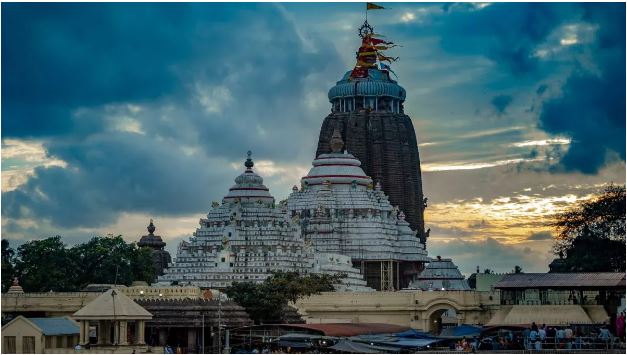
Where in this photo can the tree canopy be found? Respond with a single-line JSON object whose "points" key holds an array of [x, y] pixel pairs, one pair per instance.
{"points": [[266, 302], [8, 270], [591, 235], [48, 264]]}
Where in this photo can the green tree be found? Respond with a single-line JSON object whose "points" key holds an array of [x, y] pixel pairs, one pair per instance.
{"points": [[110, 259], [142, 265], [104, 260], [517, 269], [265, 302], [8, 266], [44, 265], [47, 264], [591, 235]]}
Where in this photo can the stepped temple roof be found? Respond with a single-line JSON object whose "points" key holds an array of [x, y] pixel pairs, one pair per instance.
{"points": [[246, 238], [151, 240], [440, 274], [341, 211]]}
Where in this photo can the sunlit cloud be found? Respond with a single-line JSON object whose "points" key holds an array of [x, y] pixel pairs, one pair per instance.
{"points": [[541, 142], [447, 166], [213, 99], [508, 219], [491, 132], [568, 41], [408, 17], [19, 160]]}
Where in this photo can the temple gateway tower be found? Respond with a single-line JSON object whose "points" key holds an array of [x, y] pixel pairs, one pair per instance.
{"points": [[367, 108]]}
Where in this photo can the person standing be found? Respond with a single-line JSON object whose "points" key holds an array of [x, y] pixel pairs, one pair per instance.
{"points": [[542, 333], [605, 336], [568, 335], [620, 325], [533, 336], [560, 335]]}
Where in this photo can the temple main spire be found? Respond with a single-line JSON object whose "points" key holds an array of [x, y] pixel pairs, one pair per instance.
{"points": [[367, 107]]}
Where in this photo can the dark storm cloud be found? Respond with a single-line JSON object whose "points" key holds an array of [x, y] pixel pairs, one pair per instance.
{"points": [[500, 103], [591, 107], [214, 79], [58, 57], [506, 33], [109, 174], [63, 57]]}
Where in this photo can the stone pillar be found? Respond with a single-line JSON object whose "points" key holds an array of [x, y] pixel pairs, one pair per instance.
{"points": [[103, 332], [141, 330], [84, 337], [123, 333], [116, 332], [191, 340]]}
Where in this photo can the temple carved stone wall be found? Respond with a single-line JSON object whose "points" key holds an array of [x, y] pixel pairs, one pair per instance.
{"points": [[385, 142]]}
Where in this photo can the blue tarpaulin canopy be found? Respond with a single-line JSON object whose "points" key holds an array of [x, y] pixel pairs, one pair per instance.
{"points": [[349, 346], [411, 340], [413, 333], [461, 331]]}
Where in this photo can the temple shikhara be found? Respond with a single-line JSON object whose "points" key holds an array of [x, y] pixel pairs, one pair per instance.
{"points": [[340, 211], [248, 237], [367, 108]]}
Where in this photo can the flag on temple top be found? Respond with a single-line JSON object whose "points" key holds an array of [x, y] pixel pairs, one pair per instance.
{"points": [[378, 48], [387, 59], [371, 6], [387, 67], [383, 48], [365, 64], [379, 41], [365, 54]]}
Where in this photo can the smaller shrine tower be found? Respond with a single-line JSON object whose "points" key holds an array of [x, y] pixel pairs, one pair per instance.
{"points": [[160, 257]]}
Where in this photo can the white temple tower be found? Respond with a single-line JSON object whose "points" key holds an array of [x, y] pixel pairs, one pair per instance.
{"points": [[246, 238], [340, 211]]}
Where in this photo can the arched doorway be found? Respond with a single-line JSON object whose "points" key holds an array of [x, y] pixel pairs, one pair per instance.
{"points": [[442, 317]]}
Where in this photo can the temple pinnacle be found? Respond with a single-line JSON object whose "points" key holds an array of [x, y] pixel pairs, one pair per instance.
{"points": [[249, 162], [151, 227]]}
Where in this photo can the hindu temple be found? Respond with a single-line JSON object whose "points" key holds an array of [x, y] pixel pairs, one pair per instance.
{"points": [[340, 211], [440, 275], [367, 108], [160, 257], [246, 238]]}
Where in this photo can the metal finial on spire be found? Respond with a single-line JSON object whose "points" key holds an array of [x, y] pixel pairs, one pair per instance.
{"points": [[365, 30], [249, 161], [151, 227], [336, 141]]}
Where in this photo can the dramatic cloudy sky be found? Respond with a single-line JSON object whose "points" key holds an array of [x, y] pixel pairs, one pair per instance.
{"points": [[116, 113]]}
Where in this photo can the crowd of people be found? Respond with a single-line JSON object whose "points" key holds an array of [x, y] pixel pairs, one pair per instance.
{"points": [[548, 338], [567, 337]]}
